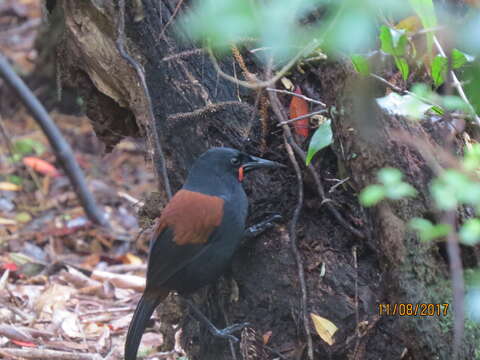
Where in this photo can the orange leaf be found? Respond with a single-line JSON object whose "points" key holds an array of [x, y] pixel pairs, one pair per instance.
{"points": [[41, 166], [299, 107], [23, 343]]}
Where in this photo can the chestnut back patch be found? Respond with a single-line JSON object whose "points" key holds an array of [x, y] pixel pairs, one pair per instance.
{"points": [[193, 216]]}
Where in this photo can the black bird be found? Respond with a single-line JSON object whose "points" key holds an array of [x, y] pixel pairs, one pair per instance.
{"points": [[196, 235]]}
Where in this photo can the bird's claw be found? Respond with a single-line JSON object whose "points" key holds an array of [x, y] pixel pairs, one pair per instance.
{"points": [[262, 226], [226, 333]]}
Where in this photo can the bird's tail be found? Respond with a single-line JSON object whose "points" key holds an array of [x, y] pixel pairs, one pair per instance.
{"points": [[142, 314]]}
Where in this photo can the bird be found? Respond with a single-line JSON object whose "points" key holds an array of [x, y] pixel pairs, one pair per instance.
{"points": [[196, 235]]}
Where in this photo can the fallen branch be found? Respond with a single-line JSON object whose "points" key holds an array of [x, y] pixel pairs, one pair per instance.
{"points": [[62, 149], [293, 223], [158, 155], [40, 354]]}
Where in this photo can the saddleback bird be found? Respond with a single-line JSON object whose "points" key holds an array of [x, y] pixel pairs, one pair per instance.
{"points": [[197, 235]]}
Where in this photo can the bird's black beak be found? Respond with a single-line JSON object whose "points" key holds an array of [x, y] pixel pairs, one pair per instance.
{"points": [[259, 163]]}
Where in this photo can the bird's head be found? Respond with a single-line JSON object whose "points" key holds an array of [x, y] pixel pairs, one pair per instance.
{"points": [[227, 161]]}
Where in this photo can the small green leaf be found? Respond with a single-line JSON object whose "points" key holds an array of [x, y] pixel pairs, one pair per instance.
{"points": [[393, 41], [372, 195], [322, 137], [470, 232], [28, 146], [400, 191], [14, 179], [459, 58], [403, 67], [361, 65], [471, 159], [389, 176], [406, 105], [439, 69], [427, 231]]}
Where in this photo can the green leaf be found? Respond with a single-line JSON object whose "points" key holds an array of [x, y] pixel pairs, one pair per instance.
{"points": [[400, 191], [470, 232], [427, 231], [458, 59], [14, 179], [439, 69], [426, 12], [372, 195], [389, 176], [322, 137], [28, 146], [361, 65], [406, 105], [393, 41], [471, 159], [402, 65]]}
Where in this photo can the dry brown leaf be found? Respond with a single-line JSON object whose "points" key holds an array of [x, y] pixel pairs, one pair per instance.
{"points": [[324, 327], [120, 280], [6, 186]]}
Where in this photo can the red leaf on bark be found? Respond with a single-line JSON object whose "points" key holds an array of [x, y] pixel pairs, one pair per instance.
{"points": [[299, 107]]}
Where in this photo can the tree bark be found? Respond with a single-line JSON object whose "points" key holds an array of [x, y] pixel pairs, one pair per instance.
{"points": [[196, 109]]}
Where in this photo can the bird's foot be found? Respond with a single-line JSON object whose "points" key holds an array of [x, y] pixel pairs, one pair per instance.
{"points": [[227, 332], [257, 229]]}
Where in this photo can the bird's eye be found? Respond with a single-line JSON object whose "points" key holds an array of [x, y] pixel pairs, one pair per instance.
{"points": [[235, 161]]}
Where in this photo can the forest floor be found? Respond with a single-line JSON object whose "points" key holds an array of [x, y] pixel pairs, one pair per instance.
{"points": [[67, 288]]}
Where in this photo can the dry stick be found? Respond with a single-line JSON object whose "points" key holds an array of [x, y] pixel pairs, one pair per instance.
{"points": [[306, 98], [456, 82], [287, 138], [456, 270], [257, 84], [158, 155], [175, 11], [39, 354], [301, 117], [62, 149], [318, 182]]}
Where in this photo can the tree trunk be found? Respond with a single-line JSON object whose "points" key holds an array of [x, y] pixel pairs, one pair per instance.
{"points": [[196, 109]]}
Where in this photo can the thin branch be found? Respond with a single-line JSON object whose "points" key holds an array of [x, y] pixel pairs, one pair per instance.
{"points": [[458, 288], [62, 149], [159, 155], [456, 82], [293, 223], [38, 354], [301, 117], [402, 91], [281, 116], [257, 84], [306, 98], [175, 11]]}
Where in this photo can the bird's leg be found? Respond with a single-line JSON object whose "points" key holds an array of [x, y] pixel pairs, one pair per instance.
{"points": [[257, 229], [225, 333]]}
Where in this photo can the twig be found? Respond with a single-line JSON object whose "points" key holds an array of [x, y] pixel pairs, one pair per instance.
{"points": [[175, 11], [456, 82], [257, 84], [292, 233], [340, 182], [301, 117], [62, 149], [306, 98], [181, 54], [159, 155], [39, 354], [456, 271], [402, 91], [281, 116]]}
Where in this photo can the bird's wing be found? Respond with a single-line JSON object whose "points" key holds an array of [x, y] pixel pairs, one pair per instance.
{"points": [[185, 229]]}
